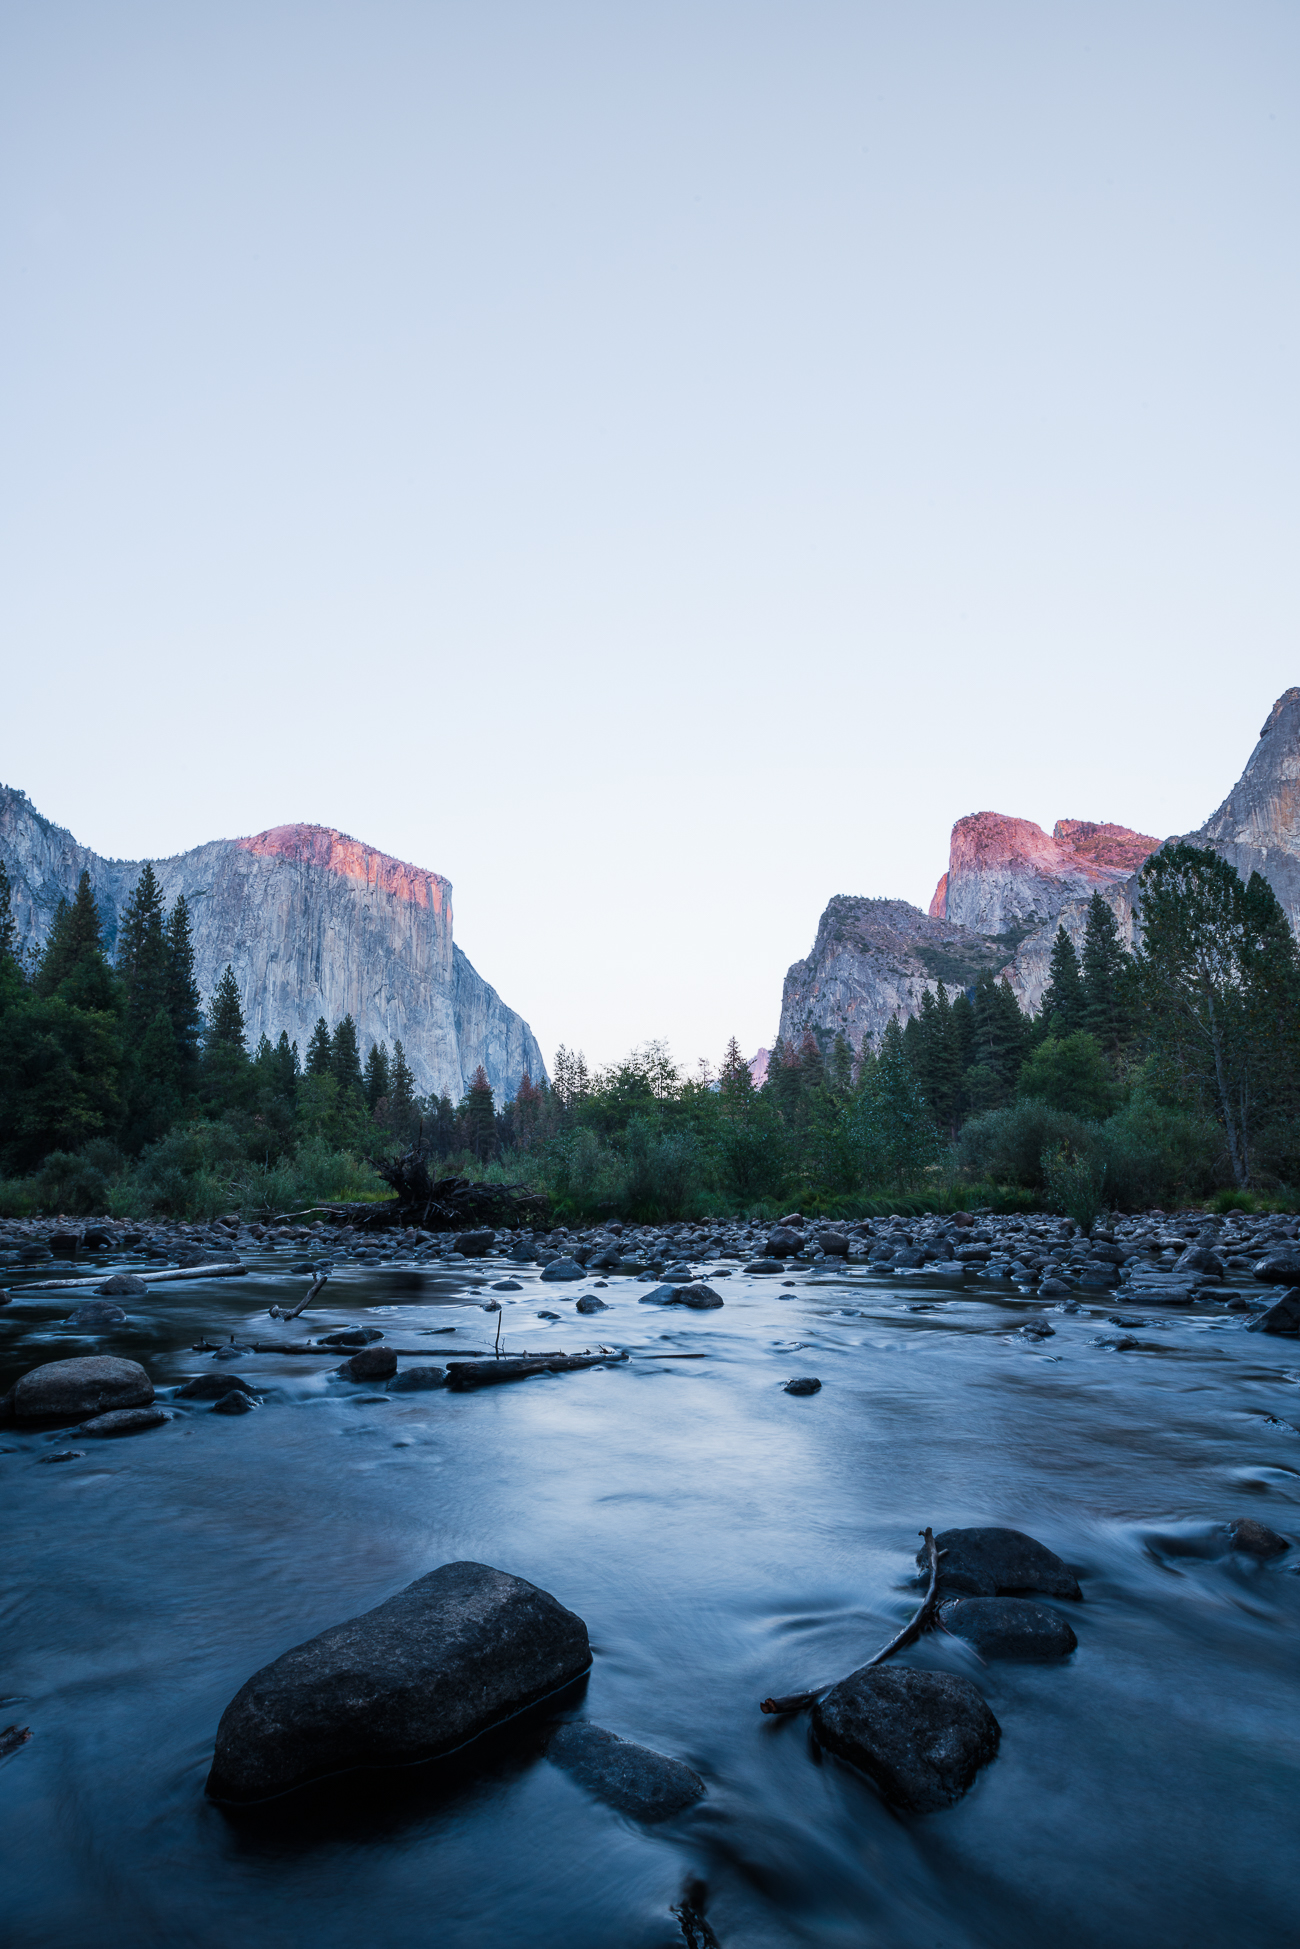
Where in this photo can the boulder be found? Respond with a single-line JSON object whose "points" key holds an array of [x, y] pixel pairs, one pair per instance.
{"points": [[765, 1265], [564, 1269], [697, 1295], [661, 1296], [371, 1364], [1053, 1288], [1199, 1258], [834, 1245], [123, 1285], [990, 1562], [920, 1736], [452, 1655], [473, 1245], [1008, 1627], [632, 1779], [590, 1304], [783, 1242], [351, 1336], [1282, 1317], [805, 1384], [1281, 1268], [1098, 1278], [1037, 1330], [236, 1402], [212, 1387], [417, 1380], [1256, 1539], [96, 1312], [124, 1421], [68, 1388], [506, 1286]]}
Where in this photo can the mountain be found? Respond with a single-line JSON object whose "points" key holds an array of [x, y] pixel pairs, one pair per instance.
{"points": [[1010, 885], [313, 923]]}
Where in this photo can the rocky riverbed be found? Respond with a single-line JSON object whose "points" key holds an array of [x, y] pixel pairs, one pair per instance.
{"points": [[718, 1536]]}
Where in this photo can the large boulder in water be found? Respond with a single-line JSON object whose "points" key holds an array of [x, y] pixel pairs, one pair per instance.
{"points": [[920, 1736], [990, 1562], [94, 1385], [632, 1779], [1009, 1627], [1282, 1317], [123, 1285], [446, 1659]]}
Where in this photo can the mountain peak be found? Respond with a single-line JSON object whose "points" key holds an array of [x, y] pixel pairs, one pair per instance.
{"points": [[337, 852]]}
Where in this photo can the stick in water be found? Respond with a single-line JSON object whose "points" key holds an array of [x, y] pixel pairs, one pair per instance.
{"points": [[317, 1285], [923, 1620]]}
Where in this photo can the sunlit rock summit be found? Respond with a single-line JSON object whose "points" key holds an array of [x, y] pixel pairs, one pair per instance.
{"points": [[313, 923], [1010, 885]]}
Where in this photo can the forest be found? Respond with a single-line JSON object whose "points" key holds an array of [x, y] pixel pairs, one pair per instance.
{"points": [[1165, 1076]]}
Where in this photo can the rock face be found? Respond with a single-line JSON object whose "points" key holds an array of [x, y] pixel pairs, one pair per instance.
{"points": [[63, 1388], [313, 923], [452, 1655], [1010, 885], [921, 1736]]}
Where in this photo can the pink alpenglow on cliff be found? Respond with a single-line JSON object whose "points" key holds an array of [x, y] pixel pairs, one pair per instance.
{"points": [[1006, 873], [335, 852]]}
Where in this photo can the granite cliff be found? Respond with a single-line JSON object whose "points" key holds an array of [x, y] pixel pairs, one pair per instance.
{"points": [[313, 923], [1010, 885]]}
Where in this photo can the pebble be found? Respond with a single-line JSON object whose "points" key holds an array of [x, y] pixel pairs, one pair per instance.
{"points": [[804, 1384]]}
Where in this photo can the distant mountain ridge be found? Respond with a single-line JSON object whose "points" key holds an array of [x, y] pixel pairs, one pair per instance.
{"points": [[1010, 885], [313, 923]]}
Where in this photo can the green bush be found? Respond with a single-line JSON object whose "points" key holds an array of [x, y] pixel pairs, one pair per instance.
{"points": [[1073, 1183], [1070, 1073], [1008, 1146]]}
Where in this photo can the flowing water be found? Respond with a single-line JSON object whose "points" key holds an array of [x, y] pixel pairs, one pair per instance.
{"points": [[723, 1540]]}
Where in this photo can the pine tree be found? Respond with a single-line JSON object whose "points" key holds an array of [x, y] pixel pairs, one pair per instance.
{"points": [[287, 1068], [1000, 1043], [376, 1075], [142, 956], [403, 1107], [1064, 1001], [184, 1003], [811, 1062], [839, 1071], [735, 1078], [892, 1114], [1107, 980], [73, 965], [479, 1115], [319, 1061], [226, 1015], [345, 1056], [227, 1076]]}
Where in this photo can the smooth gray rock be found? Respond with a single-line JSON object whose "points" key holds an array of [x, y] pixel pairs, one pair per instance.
{"points": [[124, 1421], [236, 1402], [699, 1297], [123, 1285], [765, 1265], [1279, 1268], [804, 1384], [1256, 1539], [632, 1779], [990, 1562], [1008, 1627], [452, 1655], [834, 1244], [1282, 1317], [96, 1312], [506, 1286], [351, 1336], [660, 1296], [564, 1269], [371, 1364], [212, 1387], [92, 1385], [590, 1304], [417, 1380], [473, 1245], [920, 1736]]}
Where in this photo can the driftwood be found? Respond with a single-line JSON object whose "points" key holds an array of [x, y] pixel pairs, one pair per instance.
{"points": [[317, 1286], [520, 1367], [223, 1269], [923, 1620], [449, 1204], [345, 1353]]}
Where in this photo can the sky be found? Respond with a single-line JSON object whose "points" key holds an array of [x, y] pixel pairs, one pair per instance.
{"points": [[655, 465]]}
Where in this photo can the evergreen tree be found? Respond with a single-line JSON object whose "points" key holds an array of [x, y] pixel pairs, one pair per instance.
{"points": [[479, 1116], [376, 1075], [226, 1015], [287, 1067], [1107, 980], [184, 1003], [403, 1107], [319, 1060], [1064, 1001], [839, 1070], [12, 982], [227, 1075], [73, 965], [892, 1113], [811, 1063], [936, 1056], [59, 1075], [735, 1074], [999, 1044], [345, 1056], [154, 1101], [142, 956]]}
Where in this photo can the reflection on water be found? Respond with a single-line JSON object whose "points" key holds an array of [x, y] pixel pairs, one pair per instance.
{"points": [[723, 1540]]}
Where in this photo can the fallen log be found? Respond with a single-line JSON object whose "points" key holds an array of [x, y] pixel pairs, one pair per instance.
{"points": [[470, 1374], [223, 1269], [922, 1620], [342, 1353]]}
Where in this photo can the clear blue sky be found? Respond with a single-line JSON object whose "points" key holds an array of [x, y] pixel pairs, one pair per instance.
{"points": [[657, 465]]}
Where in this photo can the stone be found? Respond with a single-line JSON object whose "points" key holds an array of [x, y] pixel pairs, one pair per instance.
{"points": [[1279, 1268], [506, 1286], [473, 1245], [633, 1780], [698, 1296], [1037, 1330], [1098, 1278], [1282, 1317], [834, 1244], [921, 1737], [1256, 1539], [236, 1402], [444, 1660], [765, 1265], [590, 1304], [1200, 1258], [96, 1312], [351, 1336], [371, 1364], [991, 1562], [784, 1242], [548, 1316], [64, 1455], [68, 1388], [1053, 1288], [124, 1421], [804, 1384], [417, 1380], [660, 1296], [123, 1285], [1008, 1627], [212, 1387], [564, 1269]]}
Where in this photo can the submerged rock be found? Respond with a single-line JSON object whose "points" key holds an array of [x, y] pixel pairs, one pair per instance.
{"points": [[1008, 1627], [211, 1387], [990, 1562], [371, 1364], [96, 1312], [92, 1385], [124, 1421], [920, 1736], [564, 1269], [351, 1336], [1256, 1539], [123, 1285], [415, 1380], [804, 1384], [632, 1779], [1282, 1317], [422, 1674], [236, 1402]]}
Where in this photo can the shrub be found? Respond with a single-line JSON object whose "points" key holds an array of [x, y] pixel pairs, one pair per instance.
{"points": [[1073, 1183], [1070, 1073], [1008, 1146]]}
